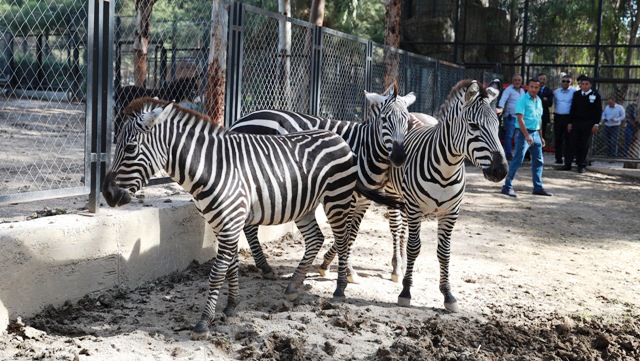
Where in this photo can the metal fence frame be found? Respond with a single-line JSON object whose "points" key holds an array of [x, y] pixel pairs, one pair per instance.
{"points": [[429, 78]]}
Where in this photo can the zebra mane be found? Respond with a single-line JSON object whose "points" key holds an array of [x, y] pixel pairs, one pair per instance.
{"points": [[147, 104], [457, 94]]}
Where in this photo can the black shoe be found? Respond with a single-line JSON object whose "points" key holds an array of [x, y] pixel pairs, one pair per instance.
{"points": [[565, 167], [542, 192], [582, 169], [509, 192], [558, 161]]}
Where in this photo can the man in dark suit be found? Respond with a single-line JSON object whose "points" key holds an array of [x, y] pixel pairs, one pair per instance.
{"points": [[586, 110], [546, 95]]}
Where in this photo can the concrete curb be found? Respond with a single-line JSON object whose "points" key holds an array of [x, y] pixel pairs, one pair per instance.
{"points": [[50, 260]]}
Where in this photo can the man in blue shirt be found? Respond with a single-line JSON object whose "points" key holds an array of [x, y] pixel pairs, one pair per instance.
{"points": [[562, 97], [529, 112], [506, 108]]}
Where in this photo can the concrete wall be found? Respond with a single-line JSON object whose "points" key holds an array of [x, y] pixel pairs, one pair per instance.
{"points": [[48, 261]]}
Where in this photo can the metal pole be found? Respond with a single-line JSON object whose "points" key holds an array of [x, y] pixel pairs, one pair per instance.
{"points": [[525, 29], [596, 71]]}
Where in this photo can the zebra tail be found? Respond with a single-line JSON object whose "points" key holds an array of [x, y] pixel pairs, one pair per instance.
{"points": [[381, 197]]}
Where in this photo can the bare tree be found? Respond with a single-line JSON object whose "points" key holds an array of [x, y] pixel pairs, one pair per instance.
{"points": [[144, 8], [316, 13], [217, 65], [284, 53], [391, 38]]}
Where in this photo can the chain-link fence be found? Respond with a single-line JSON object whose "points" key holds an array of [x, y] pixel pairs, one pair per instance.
{"points": [[67, 69], [42, 110]]}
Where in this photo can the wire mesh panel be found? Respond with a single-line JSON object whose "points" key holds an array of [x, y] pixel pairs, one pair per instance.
{"points": [[421, 79], [42, 117], [448, 76], [275, 76], [343, 76], [378, 67]]}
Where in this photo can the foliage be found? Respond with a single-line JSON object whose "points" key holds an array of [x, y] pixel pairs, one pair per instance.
{"points": [[25, 17]]}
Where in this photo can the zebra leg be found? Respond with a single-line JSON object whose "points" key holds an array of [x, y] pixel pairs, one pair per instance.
{"points": [[251, 232], [362, 204], [227, 250], [234, 287], [445, 227], [397, 225], [313, 239], [413, 250], [340, 220]]}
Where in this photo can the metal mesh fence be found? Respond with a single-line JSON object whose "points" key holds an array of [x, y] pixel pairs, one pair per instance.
{"points": [[343, 77], [272, 76], [42, 117], [53, 93]]}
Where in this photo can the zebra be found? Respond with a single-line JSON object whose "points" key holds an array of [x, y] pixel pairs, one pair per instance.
{"points": [[432, 180], [377, 143], [237, 179]]}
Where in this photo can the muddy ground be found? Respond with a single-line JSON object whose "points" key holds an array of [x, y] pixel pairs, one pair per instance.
{"points": [[536, 278]]}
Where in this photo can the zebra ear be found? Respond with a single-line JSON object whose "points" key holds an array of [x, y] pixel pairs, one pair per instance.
{"points": [[374, 99], [409, 98], [156, 116], [493, 89], [472, 92]]}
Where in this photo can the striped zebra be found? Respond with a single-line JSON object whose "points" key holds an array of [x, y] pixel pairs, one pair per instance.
{"points": [[432, 180], [377, 143], [237, 180]]}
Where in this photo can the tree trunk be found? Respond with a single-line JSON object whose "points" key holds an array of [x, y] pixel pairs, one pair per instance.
{"points": [[144, 8], [391, 38], [316, 13], [217, 67], [284, 54], [635, 142]]}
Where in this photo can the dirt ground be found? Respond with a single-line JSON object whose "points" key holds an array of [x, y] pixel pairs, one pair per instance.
{"points": [[536, 278]]}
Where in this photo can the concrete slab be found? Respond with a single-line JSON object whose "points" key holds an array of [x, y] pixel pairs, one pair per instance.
{"points": [[50, 260]]}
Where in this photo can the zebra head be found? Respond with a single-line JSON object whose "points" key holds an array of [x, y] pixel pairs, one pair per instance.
{"points": [[476, 136], [136, 158], [392, 111]]}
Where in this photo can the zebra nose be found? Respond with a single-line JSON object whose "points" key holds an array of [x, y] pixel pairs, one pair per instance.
{"points": [[398, 155], [498, 168], [114, 195]]}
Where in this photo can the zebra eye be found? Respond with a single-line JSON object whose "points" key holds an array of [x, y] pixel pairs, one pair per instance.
{"points": [[474, 126], [130, 148]]}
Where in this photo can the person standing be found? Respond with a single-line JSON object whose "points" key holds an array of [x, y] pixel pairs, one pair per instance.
{"points": [[629, 129], [546, 95], [528, 137], [612, 116], [507, 108], [586, 110], [562, 97]]}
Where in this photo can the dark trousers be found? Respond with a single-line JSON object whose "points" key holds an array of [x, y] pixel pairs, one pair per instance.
{"points": [[579, 140], [560, 135], [545, 122]]}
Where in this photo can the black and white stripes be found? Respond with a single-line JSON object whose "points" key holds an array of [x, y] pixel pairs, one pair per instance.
{"points": [[238, 180]]}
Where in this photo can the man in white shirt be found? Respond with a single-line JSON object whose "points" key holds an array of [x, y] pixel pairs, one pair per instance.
{"points": [[612, 116], [562, 99], [507, 108]]}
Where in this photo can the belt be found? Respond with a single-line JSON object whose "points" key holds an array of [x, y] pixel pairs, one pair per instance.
{"points": [[531, 130]]}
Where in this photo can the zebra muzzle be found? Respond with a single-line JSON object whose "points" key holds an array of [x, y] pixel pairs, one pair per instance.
{"points": [[498, 168], [398, 155], [114, 195]]}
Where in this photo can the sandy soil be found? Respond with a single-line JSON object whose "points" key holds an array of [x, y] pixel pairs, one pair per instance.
{"points": [[535, 277]]}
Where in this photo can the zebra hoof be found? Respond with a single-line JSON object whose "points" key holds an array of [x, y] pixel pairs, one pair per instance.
{"points": [[354, 278], [200, 332], [396, 277], [404, 302], [270, 275], [291, 293], [452, 307], [229, 311], [323, 271]]}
